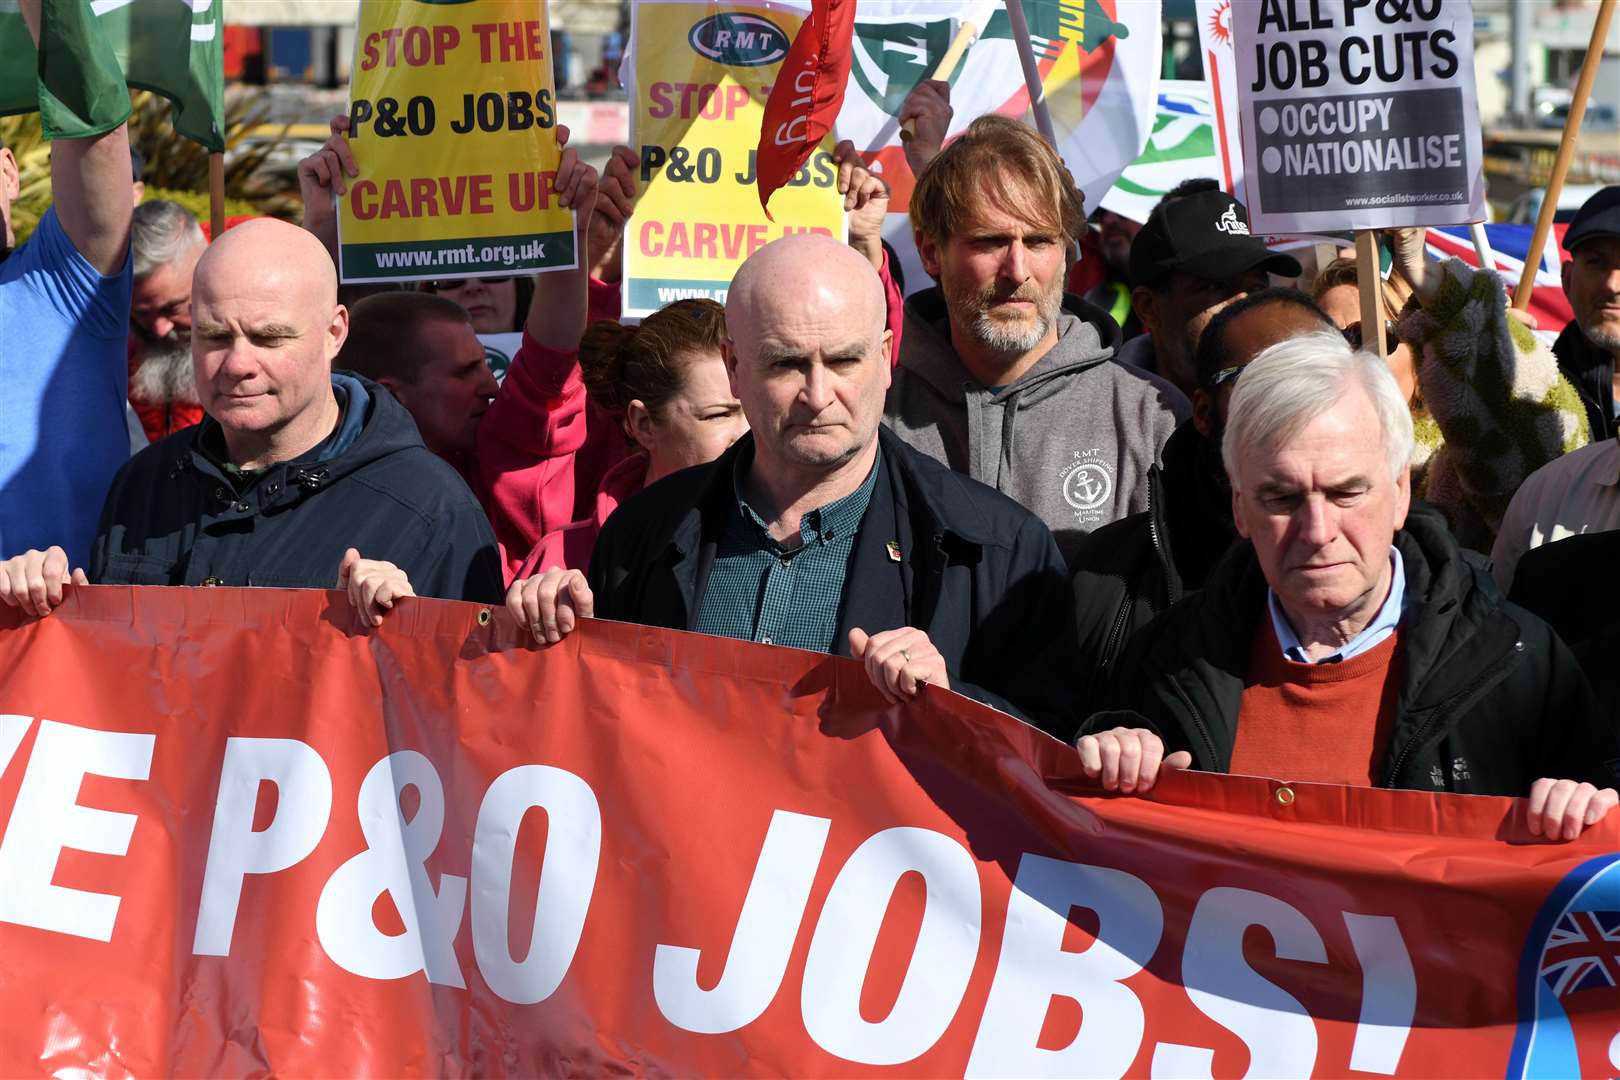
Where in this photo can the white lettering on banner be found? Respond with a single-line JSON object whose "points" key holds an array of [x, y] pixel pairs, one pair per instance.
{"points": [[394, 862], [1388, 993], [1034, 967], [235, 849], [567, 878], [761, 945], [13, 727], [941, 962], [1280, 1034], [47, 818], [1031, 969]]}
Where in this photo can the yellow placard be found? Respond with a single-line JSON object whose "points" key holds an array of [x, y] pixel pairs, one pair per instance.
{"points": [[452, 119], [702, 75]]}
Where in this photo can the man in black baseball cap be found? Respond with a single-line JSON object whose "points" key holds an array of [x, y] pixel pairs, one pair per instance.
{"points": [[1589, 347], [1192, 258]]}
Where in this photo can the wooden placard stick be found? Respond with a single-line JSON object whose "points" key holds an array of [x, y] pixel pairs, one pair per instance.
{"points": [[965, 37], [1370, 280], [216, 195], [1566, 153]]}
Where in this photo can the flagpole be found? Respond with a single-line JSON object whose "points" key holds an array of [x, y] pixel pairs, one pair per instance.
{"points": [[1566, 151], [1032, 73], [1482, 245], [216, 195]]}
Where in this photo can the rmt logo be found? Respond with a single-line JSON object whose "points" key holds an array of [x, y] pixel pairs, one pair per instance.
{"points": [[739, 40]]}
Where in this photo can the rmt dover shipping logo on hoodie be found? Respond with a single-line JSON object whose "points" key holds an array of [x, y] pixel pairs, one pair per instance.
{"points": [[1088, 485]]}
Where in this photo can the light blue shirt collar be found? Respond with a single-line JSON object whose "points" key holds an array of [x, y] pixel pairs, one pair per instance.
{"points": [[1381, 627]]}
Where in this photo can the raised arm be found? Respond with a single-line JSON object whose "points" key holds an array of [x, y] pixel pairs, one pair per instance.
{"points": [[1492, 387], [557, 315], [90, 185]]}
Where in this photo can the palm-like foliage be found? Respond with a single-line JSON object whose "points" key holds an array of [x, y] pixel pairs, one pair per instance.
{"points": [[173, 164]]}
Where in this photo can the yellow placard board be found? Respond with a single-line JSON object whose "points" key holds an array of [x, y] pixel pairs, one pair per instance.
{"points": [[452, 118], [702, 73]]}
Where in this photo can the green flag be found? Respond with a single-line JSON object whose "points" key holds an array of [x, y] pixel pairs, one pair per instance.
{"points": [[90, 51]]}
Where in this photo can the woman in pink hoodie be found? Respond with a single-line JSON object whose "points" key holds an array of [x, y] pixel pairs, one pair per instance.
{"points": [[666, 380]]}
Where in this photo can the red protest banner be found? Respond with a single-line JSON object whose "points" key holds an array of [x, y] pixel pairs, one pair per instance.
{"points": [[241, 834], [807, 95]]}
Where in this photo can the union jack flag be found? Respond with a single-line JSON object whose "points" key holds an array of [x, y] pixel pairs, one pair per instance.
{"points": [[1510, 245], [1583, 952]]}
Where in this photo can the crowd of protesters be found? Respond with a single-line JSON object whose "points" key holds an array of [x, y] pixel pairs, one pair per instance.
{"points": [[1186, 520]]}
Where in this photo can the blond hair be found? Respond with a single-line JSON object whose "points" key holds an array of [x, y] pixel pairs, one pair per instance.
{"points": [[1003, 159]]}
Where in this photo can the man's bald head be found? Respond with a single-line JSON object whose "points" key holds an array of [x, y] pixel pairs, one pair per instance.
{"points": [[808, 354], [266, 325], [800, 270], [278, 260]]}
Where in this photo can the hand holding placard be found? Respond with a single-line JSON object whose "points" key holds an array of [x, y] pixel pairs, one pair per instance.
{"points": [[456, 115]]}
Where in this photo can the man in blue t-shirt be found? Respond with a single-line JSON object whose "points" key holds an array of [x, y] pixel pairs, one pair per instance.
{"points": [[64, 320]]}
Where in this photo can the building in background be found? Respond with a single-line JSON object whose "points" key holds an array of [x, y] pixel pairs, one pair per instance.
{"points": [[312, 41]]}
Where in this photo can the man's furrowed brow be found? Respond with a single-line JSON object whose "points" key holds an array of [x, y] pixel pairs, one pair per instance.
{"points": [[1268, 488], [275, 330]]}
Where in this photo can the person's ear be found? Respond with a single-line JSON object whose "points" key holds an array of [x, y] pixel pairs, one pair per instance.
{"points": [[1403, 497], [728, 356], [10, 177], [638, 421], [337, 332], [1566, 270], [1237, 512], [1203, 415], [1145, 304], [928, 251], [887, 348], [396, 387]]}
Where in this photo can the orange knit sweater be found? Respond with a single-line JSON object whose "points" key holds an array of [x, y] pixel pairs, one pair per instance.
{"points": [[1327, 723]]}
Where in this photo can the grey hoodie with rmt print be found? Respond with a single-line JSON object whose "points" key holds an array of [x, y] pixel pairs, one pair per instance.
{"points": [[1072, 440]]}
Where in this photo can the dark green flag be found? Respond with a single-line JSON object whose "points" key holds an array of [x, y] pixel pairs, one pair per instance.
{"points": [[89, 53]]}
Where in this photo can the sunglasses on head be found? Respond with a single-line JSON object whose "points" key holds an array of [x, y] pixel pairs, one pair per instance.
{"points": [[1222, 377], [1392, 340]]}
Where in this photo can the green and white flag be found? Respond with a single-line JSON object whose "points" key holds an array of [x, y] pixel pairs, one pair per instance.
{"points": [[92, 50], [1181, 147]]}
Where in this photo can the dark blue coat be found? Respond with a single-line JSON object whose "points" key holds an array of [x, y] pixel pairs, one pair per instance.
{"points": [[173, 517]]}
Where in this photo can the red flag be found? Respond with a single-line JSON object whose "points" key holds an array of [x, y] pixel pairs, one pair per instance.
{"points": [[808, 93]]}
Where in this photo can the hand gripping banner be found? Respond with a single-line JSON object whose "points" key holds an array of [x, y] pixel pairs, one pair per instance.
{"points": [[241, 834]]}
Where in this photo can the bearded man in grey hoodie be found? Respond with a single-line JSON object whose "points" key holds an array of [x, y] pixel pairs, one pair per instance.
{"points": [[1001, 375]]}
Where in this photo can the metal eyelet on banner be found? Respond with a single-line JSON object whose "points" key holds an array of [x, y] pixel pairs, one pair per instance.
{"points": [[484, 616], [1285, 796]]}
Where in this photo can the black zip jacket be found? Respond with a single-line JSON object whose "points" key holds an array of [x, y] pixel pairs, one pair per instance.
{"points": [[1491, 700], [1571, 584], [1128, 572], [1591, 371], [979, 574], [175, 517]]}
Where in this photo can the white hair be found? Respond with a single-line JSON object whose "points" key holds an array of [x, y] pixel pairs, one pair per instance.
{"points": [[1295, 381], [160, 232]]}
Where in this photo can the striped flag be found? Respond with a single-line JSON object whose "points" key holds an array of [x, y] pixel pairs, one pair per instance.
{"points": [[91, 51], [1510, 245]]}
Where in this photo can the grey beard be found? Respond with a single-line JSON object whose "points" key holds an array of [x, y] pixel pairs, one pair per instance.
{"points": [[1603, 339], [164, 375], [1010, 338]]}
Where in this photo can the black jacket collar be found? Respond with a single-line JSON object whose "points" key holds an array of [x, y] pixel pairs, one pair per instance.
{"points": [[1457, 639], [1591, 370], [919, 521]]}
